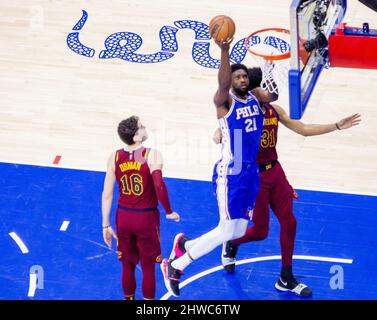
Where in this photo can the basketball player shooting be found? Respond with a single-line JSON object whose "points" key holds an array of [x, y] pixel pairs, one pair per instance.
{"points": [[235, 176], [275, 190]]}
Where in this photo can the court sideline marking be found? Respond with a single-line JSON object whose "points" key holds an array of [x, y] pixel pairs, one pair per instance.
{"points": [[19, 242]]}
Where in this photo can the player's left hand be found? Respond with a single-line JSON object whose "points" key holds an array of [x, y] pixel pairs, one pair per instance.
{"points": [[217, 136], [108, 233], [349, 121], [173, 216]]}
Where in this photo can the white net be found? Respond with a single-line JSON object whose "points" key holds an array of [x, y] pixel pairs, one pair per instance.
{"points": [[275, 74], [270, 49]]}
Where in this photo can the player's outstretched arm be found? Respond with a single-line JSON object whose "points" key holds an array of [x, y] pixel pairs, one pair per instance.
{"points": [[155, 163], [222, 98], [315, 129], [107, 199], [348, 122]]}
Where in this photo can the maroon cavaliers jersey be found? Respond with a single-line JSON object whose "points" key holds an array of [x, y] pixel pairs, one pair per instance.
{"points": [[267, 150], [135, 182]]}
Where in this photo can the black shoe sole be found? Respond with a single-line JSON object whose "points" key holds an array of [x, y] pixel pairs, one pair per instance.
{"points": [[230, 268]]}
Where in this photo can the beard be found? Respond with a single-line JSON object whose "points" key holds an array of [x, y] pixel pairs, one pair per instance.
{"points": [[240, 92]]}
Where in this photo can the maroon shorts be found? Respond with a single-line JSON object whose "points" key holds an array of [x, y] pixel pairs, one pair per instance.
{"points": [[275, 191], [138, 236]]}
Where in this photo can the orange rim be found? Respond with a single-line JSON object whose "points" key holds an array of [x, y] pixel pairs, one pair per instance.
{"points": [[265, 56]]}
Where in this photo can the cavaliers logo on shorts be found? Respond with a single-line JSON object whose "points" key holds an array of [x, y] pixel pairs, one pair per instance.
{"points": [[159, 259], [119, 254]]}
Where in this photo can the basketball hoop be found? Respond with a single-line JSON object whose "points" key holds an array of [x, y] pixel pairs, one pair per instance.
{"points": [[271, 50]]}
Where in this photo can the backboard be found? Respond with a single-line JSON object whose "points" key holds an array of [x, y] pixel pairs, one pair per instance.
{"points": [[312, 22]]}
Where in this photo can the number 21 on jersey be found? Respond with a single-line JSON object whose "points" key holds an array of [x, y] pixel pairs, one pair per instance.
{"points": [[251, 125]]}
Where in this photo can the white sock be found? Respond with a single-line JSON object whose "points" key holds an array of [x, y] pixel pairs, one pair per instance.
{"points": [[182, 262], [226, 230], [190, 243], [198, 247]]}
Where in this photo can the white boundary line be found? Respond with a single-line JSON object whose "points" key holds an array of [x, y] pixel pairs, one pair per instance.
{"points": [[32, 285], [252, 260], [19, 242], [64, 225]]}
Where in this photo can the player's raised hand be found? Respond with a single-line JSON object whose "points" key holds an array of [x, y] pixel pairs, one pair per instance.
{"points": [[349, 121], [224, 44], [173, 216], [108, 233]]}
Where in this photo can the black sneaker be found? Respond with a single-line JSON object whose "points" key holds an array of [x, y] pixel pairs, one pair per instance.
{"points": [[178, 249], [171, 277], [228, 256], [291, 284]]}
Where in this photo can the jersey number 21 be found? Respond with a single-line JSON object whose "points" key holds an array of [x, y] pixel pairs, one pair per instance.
{"points": [[251, 125]]}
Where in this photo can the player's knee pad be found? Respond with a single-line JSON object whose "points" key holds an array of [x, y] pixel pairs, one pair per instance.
{"points": [[225, 235], [232, 234], [237, 234], [233, 229], [240, 229]]}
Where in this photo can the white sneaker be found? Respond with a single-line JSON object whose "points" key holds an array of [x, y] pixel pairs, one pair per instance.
{"points": [[292, 285]]}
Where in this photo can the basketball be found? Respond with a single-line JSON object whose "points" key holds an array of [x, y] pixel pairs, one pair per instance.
{"points": [[222, 27]]}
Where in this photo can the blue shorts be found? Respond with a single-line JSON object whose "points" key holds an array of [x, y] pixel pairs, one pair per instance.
{"points": [[236, 187]]}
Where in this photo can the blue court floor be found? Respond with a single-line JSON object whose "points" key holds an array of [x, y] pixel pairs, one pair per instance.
{"points": [[334, 252]]}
